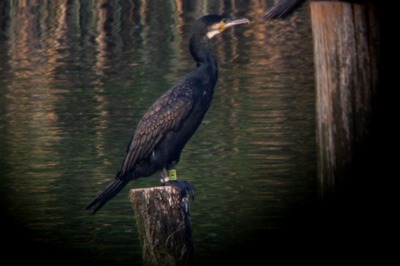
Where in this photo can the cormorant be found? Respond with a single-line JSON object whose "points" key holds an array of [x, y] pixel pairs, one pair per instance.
{"points": [[171, 121]]}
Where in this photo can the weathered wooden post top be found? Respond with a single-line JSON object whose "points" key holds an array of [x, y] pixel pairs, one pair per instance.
{"points": [[163, 222]]}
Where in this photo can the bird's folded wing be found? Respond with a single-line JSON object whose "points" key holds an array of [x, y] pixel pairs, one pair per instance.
{"points": [[164, 116]]}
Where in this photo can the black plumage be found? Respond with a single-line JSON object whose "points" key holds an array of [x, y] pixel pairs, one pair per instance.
{"points": [[171, 121]]}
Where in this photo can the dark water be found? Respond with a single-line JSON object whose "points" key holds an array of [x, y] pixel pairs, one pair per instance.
{"points": [[75, 78]]}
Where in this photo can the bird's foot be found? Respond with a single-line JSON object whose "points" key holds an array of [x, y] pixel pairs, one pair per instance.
{"points": [[186, 191], [185, 188]]}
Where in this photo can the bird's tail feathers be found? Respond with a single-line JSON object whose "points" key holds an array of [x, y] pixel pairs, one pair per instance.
{"points": [[116, 186]]}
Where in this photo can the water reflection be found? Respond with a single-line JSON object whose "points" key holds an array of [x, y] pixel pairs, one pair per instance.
{"points": [[77, 76]]}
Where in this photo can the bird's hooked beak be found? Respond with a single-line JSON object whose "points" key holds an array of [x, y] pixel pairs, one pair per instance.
{"points": [[232, 22], [225, 24]]}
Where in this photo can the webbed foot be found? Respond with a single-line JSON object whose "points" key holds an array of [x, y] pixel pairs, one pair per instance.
{"points": [[185, 188], [169, 178]]}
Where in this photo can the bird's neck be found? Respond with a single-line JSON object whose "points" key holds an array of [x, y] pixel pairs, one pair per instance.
{"points": [[200, 52], [207, 68]]}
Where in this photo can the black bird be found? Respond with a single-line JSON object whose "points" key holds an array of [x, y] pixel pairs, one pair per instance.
{"points": [[171, 121]]}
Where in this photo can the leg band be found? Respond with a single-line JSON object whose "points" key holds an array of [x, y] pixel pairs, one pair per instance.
{"points": [[172, 174]]}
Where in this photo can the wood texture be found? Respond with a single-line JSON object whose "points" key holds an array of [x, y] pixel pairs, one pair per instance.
{"points": [[164, 226], [344, 86]]}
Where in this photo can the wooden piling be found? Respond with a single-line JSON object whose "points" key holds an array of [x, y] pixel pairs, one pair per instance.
{"points": [[163, 222], [345, 69]]}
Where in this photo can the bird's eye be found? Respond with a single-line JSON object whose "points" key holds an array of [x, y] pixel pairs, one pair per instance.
{"points": [[225, 20]]}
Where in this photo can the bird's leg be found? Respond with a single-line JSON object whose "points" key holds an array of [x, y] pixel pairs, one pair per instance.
{"points": [[172, 174], [164, 176], [169, 178]]}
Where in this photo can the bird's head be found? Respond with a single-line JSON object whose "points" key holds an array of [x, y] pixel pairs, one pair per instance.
{"points": [[206, 28], [212, 25]]}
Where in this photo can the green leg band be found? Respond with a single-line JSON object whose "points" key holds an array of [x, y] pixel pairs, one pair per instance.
{"points": [[172, 174]]}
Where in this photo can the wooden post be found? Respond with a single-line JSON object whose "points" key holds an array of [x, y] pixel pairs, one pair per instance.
{"points": [[163, 222], [345, 86]]}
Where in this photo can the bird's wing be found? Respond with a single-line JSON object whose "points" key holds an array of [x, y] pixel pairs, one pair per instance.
{"points": [[281, 9], [164, 116]]}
